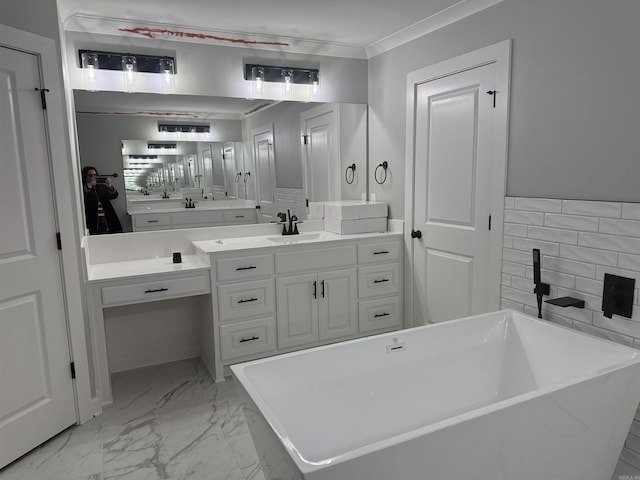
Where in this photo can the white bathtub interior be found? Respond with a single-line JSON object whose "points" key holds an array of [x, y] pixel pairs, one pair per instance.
{"points": [[323, 405]]}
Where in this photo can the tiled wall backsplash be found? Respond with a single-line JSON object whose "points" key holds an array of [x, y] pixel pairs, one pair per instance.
{"points": [[579, 241]]}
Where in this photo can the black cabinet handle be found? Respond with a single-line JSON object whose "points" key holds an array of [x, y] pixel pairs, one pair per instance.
{"points": [[315, 289], [378, 315], [381, 280], [239, 216], [152, 221], [157, 290], [322, 288], [245, 268], [248, 300], [250, 339], [381, 252]]}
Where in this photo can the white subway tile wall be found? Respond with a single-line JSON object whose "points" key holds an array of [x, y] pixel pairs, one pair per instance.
{"points": [[580, 241]]}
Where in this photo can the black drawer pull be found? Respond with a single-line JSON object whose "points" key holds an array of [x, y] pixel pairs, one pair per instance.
{"points": [[248, 300], [157, 290], [152, 221], [246, 268], [381, 281], [251, 339], [378, 315], [239, 216], [382, 252]]}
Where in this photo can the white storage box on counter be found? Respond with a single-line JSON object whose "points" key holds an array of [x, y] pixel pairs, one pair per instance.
{"points": [[355, 225], [354, 209], [347, 217]]}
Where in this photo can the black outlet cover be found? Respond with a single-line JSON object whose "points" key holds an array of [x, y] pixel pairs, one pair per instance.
{"points": [[617, 295]]}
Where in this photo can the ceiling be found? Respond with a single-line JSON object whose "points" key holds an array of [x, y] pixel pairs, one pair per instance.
{"points": [[306, 24]]}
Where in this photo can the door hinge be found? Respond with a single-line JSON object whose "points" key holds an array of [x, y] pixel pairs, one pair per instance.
{"points": [[59, 240], [73, 369], [43, 97], [305, 139], [489, 221]]}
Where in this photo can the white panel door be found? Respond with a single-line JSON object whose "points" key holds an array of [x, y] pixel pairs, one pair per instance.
{"points": [[337, 304], [297, 310], [266, 174], [320, 155], [453, 169], [36, 390]]}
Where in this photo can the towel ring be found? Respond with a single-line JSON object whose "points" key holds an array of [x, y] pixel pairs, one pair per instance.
{"points": [[351, 167], [384, 165], [246, 176], [238, 175]]}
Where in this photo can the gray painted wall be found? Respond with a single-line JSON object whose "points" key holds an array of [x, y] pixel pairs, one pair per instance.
{"points": [[574, 114]]}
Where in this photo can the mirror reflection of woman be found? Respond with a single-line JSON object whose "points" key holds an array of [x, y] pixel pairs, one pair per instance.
{"points": [[100, 215]]}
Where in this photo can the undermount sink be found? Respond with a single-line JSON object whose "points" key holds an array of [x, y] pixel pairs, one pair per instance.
{"points": [[302, 237]]}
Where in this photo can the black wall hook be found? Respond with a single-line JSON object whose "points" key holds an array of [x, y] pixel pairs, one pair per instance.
{"points": [[384, 165]]}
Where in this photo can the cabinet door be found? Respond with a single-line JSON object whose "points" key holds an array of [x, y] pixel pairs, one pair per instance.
{"points": [[297, 310], [337, 304]]}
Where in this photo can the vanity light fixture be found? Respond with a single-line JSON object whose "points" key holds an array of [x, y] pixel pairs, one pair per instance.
{"points": [[183, 128], [130, 64], [287, 76], [161, 145]]}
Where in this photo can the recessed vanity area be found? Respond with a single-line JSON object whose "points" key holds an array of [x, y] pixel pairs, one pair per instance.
{"points": [[239, 293]]}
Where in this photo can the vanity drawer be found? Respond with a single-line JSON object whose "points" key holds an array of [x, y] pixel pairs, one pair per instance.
{"points": [[239, 216], [379, 252], [239, 268], [378, 280], [306, 260], [379, 314], [191, 216], [155, 290], [247, 338], [247, 299], [152, 220]]}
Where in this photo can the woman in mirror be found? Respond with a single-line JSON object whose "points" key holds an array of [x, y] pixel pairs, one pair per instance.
{"points": [[100, 215]]}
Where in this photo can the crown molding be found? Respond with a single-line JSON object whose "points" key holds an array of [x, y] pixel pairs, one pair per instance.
{"points": [[441, 19]]}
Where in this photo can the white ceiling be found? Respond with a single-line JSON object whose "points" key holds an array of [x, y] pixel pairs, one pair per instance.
{"points": [[306, 25]]}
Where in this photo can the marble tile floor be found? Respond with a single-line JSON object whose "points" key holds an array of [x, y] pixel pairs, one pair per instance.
{"points": [[167, 422]]}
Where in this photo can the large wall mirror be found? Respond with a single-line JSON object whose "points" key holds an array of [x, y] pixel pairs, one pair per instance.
{"points": [[277, 155]]}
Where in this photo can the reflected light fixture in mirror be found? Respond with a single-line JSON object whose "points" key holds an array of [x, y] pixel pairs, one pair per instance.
{"points": [[287, 82], [314, 83], [90, 67], [168, 71], [129, 72]]}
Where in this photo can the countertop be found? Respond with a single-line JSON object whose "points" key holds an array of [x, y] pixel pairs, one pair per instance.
{"points": [[149, 266], [200, 205], [304, 238]]}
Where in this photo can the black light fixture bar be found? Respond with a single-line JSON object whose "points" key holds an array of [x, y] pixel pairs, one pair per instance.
{"points": [[143, 157], [183, 128], [275, 74], [113, 61], [162, 145]]}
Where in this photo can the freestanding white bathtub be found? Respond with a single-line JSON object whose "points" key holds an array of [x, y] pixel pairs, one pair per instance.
{"points": [[501, 396]]}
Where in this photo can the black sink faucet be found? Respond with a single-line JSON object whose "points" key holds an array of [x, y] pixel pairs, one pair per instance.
{"points": [[290, 221]]}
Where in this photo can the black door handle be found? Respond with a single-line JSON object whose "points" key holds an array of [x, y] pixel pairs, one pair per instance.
{"points": [[416, 234]]}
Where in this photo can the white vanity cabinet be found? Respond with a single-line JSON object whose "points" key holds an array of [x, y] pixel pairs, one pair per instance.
{"points": [[284, 296], [191, 218]]}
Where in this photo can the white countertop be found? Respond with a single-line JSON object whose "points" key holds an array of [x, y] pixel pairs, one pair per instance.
{"points": [[149, 266], [200, 205], [304, 238]]}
